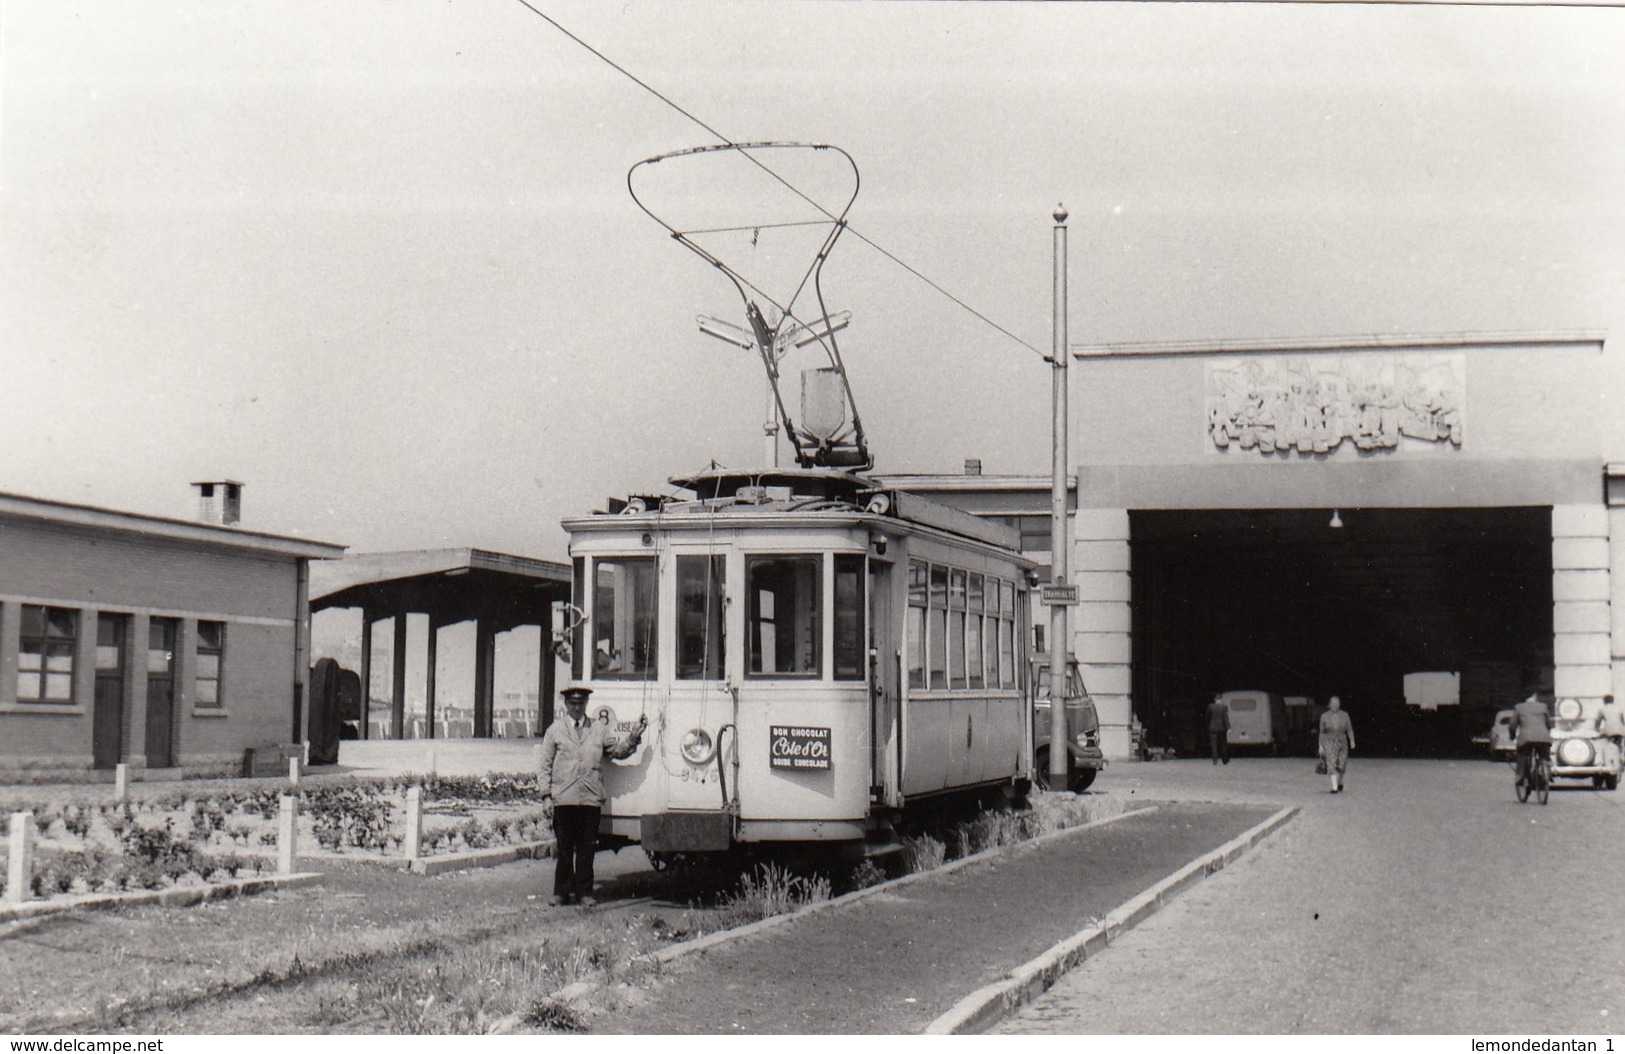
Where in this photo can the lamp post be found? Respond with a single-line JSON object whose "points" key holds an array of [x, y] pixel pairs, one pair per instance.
{"points": [[1059, 646]]}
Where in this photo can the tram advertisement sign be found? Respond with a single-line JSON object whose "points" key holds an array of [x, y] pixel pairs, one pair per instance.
{"points": [[798, 747]]}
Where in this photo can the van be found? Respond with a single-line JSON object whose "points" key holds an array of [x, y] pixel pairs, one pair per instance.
{"points": [[1257, 719], [1085, 759]]}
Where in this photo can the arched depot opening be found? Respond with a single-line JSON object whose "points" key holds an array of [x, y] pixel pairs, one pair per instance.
{"points": [[1284, 601]]}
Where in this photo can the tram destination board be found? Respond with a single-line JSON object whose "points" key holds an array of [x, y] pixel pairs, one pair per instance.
{"points": [[799, 747], [1054, 594]]}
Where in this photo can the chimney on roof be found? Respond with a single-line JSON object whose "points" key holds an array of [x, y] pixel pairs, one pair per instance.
{"points": [[219, 502], [973, 466]]}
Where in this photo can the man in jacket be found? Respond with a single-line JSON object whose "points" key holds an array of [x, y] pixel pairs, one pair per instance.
{"points": [[1218, 730], [572, 781], [1532, 731]]}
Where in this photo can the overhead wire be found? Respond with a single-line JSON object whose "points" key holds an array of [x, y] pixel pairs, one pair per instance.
{"points": [[646, 86]]}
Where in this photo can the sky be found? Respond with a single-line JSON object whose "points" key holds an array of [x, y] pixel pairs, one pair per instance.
{"points": [[378, 260]]}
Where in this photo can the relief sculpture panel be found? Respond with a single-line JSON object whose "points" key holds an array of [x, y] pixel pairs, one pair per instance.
{"points": [[1313, 404]]}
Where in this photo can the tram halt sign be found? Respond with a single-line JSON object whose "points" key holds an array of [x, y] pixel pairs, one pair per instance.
{"points": [[1055, 594], [798, 747]]}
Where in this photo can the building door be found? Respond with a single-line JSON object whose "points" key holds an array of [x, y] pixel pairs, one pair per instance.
{"points": [[107, 730], [161, 635]]}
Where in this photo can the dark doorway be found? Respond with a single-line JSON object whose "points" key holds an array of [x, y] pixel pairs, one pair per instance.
{"points": [[1282, 601], [107, 733], [161, 636]]}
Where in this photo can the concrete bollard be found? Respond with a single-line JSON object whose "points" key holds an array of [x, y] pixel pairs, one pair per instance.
{"points": [[536, 759], [121, 781], [293, 772], [287, 836], [20, 861], [414, 823]]}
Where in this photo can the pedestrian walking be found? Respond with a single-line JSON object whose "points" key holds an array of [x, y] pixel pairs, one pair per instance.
{"points": [[1336, 740], [1218, 730], [572, 780]]}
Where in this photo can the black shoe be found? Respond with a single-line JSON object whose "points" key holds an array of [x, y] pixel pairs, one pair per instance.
{"points": [[555, 901], [588, 902]]}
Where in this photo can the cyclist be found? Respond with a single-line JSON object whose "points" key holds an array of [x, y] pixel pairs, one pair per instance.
{"points": [[1532, 732]]}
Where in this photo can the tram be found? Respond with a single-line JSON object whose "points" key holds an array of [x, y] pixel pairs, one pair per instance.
{"points": [[815, 656]]}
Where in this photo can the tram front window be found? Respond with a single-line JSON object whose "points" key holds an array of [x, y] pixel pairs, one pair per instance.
{"points": [[700, 643], [624, 627], [784, 628]]}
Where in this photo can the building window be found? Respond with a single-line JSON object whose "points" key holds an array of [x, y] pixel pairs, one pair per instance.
{"points": [[211, 658], [701, 586], [45, 654], [849, 621], [624, 624], [784, 620]]}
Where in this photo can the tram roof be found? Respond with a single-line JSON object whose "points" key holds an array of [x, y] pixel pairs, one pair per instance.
{"points": [[761, 493]]}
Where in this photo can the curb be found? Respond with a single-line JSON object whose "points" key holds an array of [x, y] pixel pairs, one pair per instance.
{"points": [[178, 897], [439, 865], [986, 1006]]}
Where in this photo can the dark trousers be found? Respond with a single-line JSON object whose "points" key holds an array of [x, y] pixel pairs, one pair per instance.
{"points": [[576, 828], [1219, 746]]}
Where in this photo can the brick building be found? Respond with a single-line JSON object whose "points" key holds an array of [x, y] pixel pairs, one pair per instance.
{"points": [[165, 644]]}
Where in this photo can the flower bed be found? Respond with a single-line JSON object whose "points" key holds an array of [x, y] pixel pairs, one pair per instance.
{"points": [[163, 840]]}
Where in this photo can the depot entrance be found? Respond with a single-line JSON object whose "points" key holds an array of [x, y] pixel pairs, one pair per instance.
{"points": [[1285, 601]]}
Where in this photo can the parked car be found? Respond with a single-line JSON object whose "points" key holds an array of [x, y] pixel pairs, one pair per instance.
{"points": [[1498, 739], [1579, 749], [1082, 728]]}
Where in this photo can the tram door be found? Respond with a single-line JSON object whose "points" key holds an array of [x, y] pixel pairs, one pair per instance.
{"points": [[162, 634], [883, 661]]}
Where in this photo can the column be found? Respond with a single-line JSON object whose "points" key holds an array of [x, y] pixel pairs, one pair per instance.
{"points": [[485, 647], [1102, 622], [428, 684], [366, 672], [1582, 648], [397, 678]]}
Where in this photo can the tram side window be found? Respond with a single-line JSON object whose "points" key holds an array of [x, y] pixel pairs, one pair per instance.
{"points": [[624, 628], [849, 607], [974, 654], [784, 627], [937, 643], [917, 575], [956, 629], [1007, 634], [701, 645]]}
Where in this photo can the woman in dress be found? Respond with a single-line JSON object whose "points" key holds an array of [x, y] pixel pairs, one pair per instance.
{"points": [[1336, 740]]}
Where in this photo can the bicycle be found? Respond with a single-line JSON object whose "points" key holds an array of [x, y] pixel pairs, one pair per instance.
{"points": [[1536, 778]]}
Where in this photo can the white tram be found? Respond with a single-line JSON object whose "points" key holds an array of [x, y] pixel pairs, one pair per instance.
{"points": [[814, 655]]}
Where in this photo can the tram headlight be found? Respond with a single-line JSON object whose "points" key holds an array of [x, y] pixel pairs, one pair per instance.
{"points": [[697, 746]]}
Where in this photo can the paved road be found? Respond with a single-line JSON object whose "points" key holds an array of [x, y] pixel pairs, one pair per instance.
{"points": [[1418, 901]]}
